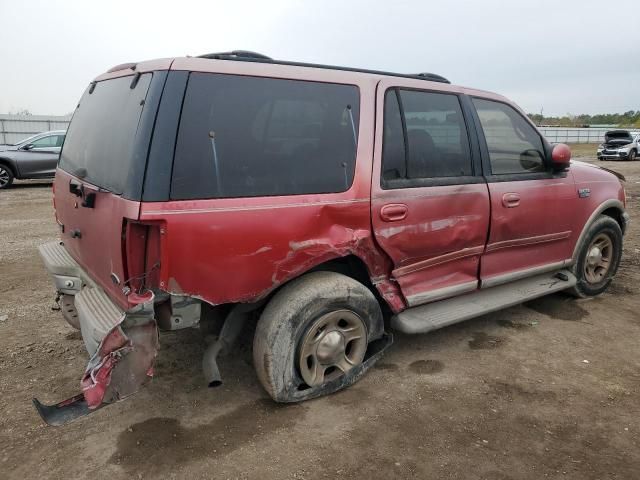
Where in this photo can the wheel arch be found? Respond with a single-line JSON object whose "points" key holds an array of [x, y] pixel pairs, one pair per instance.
{"points": [[350, 265], [9, 164], [617, 215], [611, 208]]}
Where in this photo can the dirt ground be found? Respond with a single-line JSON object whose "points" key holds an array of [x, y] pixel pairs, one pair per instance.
{"points": [[550, 389]]}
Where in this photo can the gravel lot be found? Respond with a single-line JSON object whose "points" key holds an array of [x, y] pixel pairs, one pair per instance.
{"points": [[547, 389]]}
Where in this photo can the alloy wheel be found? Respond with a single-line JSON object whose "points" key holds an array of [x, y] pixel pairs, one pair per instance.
{"points": [[5, 177], [598, 261], [335, 343]]}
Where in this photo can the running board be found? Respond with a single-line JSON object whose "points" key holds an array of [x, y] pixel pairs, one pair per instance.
{"points": [[443, 313]]}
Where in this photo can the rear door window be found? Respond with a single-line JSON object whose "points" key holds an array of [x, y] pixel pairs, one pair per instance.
{"points": [[425, 137], [514, 145], [243, 136]]}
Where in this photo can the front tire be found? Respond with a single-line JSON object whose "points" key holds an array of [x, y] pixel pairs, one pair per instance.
{"points": [[598, 258], [6, 177], [632, 155], [312, 332]]}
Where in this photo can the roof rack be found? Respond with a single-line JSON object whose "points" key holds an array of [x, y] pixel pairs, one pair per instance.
{"points": [[248, 56], [235, 55]]}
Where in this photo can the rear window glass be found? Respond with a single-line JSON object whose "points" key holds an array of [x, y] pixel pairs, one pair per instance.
{"points": [[99, 145], [245, 136]]}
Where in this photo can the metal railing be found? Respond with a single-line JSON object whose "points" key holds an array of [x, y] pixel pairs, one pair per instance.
{"points": [[14, 128], [577, 135]]}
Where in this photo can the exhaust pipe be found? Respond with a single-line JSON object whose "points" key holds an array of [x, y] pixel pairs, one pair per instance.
{"points": [[229, 333], [210, 364]]}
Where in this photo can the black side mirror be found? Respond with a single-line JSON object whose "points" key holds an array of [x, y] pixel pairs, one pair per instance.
{"points": [[28, 146], [531, 160]]}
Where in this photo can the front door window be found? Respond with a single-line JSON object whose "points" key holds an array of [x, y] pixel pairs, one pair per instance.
{"points": [[514, 145]]}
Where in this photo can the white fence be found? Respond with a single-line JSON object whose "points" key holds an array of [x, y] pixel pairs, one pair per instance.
{"points": [[575, 135], [14, 128]]}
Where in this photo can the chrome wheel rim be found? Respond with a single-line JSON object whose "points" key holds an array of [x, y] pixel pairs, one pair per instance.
{"points": [[598, 261], [335, 343], [4, 177]]}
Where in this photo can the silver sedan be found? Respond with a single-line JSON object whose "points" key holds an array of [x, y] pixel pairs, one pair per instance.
{"points": [[33, 157]]}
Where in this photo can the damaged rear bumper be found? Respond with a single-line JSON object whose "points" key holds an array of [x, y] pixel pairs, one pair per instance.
{"points": [[122, 344]]}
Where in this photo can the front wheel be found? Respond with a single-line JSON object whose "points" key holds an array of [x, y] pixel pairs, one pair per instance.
{"points": [[6, 177], [598, 257], [632, 155], [312, 333]]}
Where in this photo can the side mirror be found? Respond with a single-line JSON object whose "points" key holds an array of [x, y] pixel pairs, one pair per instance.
{"points": [[28, 146], [532, 160], [560, 157]]}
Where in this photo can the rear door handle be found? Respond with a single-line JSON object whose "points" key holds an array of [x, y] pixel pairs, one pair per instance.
{"points": [[75, 188], [511, 200], [394, 212]]}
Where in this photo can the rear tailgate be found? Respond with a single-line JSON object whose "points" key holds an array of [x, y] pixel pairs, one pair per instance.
{"points": [[99, 180], [94, 236]]}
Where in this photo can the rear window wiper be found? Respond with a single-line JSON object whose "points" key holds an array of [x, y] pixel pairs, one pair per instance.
{"points": [[216, 167], [353, 126]]}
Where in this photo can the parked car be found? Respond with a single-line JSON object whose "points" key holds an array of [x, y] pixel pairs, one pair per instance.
{"points": [[331, 204], [33, 157], [619, 145]]}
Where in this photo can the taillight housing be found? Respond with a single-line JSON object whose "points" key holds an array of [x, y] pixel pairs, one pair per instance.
{"points": [[141, 253]]}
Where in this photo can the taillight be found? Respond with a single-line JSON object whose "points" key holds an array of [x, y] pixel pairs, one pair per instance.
{"points": [[141, 255]]}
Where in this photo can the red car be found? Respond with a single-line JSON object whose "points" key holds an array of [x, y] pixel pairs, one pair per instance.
{"points": [[331, 204]]}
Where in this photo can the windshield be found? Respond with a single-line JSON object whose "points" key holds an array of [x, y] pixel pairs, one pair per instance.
{"points": [[101, 138]]}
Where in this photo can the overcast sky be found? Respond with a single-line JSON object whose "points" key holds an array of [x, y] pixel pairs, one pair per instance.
{"points": [[569, 56]]}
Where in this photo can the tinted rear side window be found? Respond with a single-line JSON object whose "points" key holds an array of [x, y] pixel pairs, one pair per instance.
{"points": [[425, 137], [99, 145], [249, 136]]}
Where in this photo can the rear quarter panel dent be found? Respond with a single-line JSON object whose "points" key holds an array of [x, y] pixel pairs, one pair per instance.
{"points": [[254, 253]]}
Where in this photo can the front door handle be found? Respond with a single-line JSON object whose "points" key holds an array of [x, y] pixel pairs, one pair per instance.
{"points": [[511, 200], [394, 212]]}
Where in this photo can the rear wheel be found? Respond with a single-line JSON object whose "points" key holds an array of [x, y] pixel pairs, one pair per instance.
{"points": [[598, 258], [314, 331], [6, 176]]}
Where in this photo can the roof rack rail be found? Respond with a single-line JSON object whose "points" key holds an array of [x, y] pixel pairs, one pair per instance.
{"points": [[235, 55], [432, 77], [247, 56]]}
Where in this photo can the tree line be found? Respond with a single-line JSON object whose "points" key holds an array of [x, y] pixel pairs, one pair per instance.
{"points": [[630, 119]]}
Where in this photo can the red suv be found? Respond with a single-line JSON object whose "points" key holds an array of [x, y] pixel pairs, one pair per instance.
{"points": [[331, 204]]}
